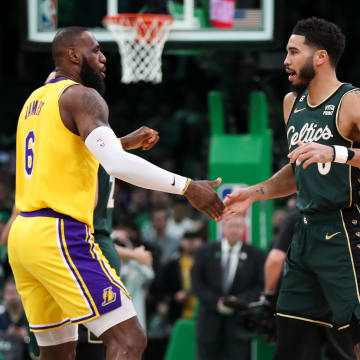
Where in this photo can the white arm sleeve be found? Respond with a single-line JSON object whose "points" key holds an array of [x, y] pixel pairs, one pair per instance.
{"points": [[106, 147]]}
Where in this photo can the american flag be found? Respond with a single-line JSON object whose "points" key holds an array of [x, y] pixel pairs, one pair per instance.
{"points": [[248, 19]]}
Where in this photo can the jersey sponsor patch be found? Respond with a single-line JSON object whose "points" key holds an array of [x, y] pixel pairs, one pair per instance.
{"points": [[329, 109]]}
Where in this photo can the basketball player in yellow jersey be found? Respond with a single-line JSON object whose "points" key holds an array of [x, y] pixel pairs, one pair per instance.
{"points": [[63, 134]]}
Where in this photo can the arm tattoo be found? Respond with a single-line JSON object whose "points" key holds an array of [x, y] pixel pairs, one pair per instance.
{"points": [[261, 190], [91, 104]]}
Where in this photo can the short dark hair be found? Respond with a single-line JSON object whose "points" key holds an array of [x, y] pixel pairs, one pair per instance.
{"points": [[191, 235], [322, 34], [65, 38]]}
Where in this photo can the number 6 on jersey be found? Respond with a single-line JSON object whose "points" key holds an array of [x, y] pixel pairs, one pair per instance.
{"points": [[29, 153]]}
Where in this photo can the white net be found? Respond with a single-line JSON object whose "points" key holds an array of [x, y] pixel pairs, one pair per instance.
{"points": [[141, 41]]}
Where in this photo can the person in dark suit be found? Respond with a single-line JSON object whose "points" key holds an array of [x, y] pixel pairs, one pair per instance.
{"points": [[175, 279], [226, 270]]}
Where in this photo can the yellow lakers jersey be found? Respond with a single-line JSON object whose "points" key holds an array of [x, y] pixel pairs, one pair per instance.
{"points": [[54, 168]]}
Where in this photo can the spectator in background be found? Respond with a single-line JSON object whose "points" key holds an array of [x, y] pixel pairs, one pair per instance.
{"points": [[139, 206], [163, 244], [6, 196], [228, 270], [180, 223], [158, 200], [13, 325], [136, 270], [175, 278], [277, 219]]}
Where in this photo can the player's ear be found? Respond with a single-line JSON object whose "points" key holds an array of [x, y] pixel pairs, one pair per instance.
{"points": [[321, 56], [74, 55]]}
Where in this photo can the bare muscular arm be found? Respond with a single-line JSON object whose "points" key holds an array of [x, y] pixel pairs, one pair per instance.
{"points": [[349, 122], [288, 103], [82, 110], [282, 183]]}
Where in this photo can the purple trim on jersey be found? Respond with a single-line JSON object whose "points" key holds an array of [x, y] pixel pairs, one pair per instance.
{"points": [[47, 212], [106, 267], [112, 276], [48, 327], [77, 233], [90, 269], [57, 80]]}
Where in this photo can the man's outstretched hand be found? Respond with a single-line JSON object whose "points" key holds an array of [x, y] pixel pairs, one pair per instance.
{"points": [[237, 202], [143, 137], [202, 197]]}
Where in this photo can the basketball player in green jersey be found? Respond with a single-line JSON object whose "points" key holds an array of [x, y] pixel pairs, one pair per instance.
{"points": [[322, 270]]}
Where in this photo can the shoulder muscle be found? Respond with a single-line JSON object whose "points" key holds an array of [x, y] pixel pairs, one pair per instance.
{"points": [[288, 103], [350, 106], [86, 108]]}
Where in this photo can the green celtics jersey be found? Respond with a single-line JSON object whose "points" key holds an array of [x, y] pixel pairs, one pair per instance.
{"points": [[105, 205], [330, 186]]}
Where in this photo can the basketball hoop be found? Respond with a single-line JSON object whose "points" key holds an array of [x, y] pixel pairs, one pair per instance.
{"points": [[141, 39]]}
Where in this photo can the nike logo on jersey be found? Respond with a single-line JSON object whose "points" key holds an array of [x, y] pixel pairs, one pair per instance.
{"points": [[173, 183], [328, 237], [298, 110]]}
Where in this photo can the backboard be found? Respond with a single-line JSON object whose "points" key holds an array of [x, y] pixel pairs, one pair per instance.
{"points": [[198, 23]]}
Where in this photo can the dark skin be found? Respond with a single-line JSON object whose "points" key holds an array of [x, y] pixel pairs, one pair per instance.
{"points": [[83, 109]]}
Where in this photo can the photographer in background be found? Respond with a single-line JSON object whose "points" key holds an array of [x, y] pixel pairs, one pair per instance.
{"points": [[228, 271]]}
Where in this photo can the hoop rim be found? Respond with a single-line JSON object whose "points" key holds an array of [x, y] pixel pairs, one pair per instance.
{"points": [[147, 18]]}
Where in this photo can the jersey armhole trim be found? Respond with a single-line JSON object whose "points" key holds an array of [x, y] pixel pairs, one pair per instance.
{"points": [[65, 87], [337, 118]]}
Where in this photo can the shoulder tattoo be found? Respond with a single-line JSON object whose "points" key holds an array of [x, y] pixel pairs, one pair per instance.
{"points": [[91, 104]]}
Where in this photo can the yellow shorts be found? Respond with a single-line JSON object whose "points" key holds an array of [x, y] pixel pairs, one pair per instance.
{"points": [[60, 272]]}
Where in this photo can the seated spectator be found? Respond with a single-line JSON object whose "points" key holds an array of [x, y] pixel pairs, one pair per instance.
{"points": [[136, 270], [175, 279], [13, 325], [139, 206], [161, 241], [180, 223], [158, 200]]}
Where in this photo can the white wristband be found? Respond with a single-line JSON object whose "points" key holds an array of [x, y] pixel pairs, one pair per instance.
{"points": [[341, 154]]}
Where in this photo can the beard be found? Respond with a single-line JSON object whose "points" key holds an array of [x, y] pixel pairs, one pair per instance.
{"points": [[306, 74], [91, 78]]}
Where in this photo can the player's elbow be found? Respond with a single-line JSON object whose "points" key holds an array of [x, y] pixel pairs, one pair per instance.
{"points": [[276, 257]]}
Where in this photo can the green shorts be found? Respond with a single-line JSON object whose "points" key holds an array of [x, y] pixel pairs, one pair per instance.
{"points": [[322, 269]]}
